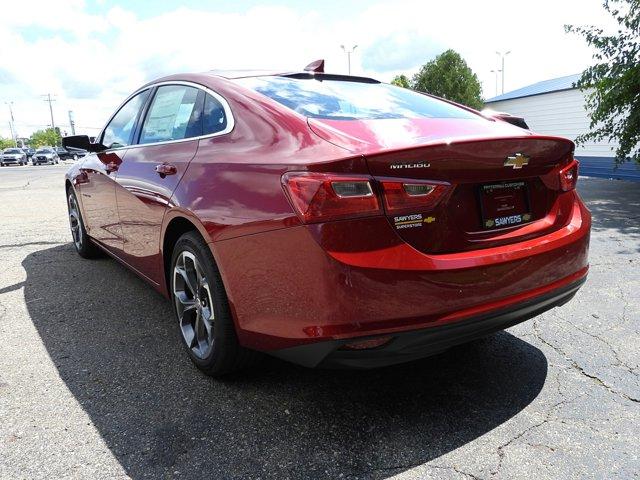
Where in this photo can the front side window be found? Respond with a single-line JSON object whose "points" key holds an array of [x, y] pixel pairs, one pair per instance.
{"points": [[119, 132], [339, 99], [175, 114]]}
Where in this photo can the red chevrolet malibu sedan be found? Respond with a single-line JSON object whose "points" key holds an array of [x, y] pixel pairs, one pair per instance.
{"points": [[328, 220]]}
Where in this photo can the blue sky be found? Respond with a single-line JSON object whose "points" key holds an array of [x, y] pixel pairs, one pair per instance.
{"points": [[92, 53]]}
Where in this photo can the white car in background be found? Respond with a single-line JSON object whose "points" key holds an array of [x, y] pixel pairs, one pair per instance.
{"points": [[13, 156], [45, 155]]}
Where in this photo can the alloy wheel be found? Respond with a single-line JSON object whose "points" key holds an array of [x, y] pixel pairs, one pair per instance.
{"points": [[194, 306], [74, 222]]}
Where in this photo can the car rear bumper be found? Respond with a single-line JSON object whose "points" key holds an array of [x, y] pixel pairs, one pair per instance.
{"points": [[299, 286], [412, 345]]}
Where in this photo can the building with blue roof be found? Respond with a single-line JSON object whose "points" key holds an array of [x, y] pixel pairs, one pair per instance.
{"points": [[557, 107]]}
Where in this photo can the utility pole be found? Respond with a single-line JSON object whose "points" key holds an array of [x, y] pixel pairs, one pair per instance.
{"points": [[349, 52], [502, 55], [72, 123], [496, 76], [49, 99], [14, 134]]}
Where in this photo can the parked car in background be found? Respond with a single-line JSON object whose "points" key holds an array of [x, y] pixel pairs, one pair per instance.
{"points": [[45, 156], [329, 220], [28, 151], [65, 154], [13, 156]]}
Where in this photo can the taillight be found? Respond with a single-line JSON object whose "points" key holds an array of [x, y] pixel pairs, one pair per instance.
{"points": [[569, 176], [409, 195], [320, 197]]}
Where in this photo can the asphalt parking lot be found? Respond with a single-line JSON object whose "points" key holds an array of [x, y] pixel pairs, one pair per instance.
{"points": [[94, 384]]}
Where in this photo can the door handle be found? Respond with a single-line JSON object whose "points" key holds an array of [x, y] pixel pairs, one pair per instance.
{"points": [[165, 169], [112, 167]]}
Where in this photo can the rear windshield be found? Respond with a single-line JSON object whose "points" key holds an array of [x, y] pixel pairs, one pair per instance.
{"points": [[351, 100]]}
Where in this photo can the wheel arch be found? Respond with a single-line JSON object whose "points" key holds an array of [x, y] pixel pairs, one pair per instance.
{"points": [[176, 224]]}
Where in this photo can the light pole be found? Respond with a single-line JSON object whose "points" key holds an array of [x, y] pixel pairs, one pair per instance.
{"points": [[14, 135], [72, 123], [502, 55], [496, 76], [349, 52]]}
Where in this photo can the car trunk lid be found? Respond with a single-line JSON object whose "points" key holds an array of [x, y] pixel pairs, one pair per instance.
{"points": [[491, 183]]}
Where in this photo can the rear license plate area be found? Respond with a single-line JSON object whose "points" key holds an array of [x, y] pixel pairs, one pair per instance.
{"points": [[504, 204]]}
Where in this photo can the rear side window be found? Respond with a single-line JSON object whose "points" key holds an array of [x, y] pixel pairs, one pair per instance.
{"points": [[120, 129], [175, 114], [215, 118], [339, 99]]}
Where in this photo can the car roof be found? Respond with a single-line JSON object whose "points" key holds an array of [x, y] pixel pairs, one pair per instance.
{"points": [[236, 74], [231, 74]]}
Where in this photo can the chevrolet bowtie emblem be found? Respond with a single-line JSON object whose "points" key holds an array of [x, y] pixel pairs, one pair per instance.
{"points": [[516, 161]]}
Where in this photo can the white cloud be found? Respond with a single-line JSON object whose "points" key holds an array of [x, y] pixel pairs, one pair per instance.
{"points": [[92, 62]]}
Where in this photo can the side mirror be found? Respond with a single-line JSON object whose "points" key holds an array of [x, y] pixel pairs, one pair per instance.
{"points": [[81, 142]]}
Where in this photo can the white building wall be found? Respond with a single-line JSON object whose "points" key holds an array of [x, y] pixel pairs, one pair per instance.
{"points": [[557, 113]]}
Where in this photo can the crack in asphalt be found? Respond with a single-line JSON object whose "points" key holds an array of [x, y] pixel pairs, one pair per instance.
{"points": [[618, 361], [457, 470], [535, 445], [625, 304], [393, 468], [547, 418], [578, 367]]}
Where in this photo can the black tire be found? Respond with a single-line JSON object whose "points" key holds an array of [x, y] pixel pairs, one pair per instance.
{"points": [[85, 246], [225, 355]]}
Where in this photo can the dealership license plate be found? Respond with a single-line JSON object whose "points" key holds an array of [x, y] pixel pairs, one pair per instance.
{"points": [[504, 204]]}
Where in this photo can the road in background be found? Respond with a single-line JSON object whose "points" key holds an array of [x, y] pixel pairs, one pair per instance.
{"points": [[94, 383]]}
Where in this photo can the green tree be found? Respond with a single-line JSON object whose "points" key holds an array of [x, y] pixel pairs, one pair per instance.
{"points": [[47, 137], [401, 81], [448, 76], [6, 143], [613, 83]]}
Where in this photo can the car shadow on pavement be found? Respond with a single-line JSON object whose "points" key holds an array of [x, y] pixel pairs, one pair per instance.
{"points": [[116, 347], [614, 205]]}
